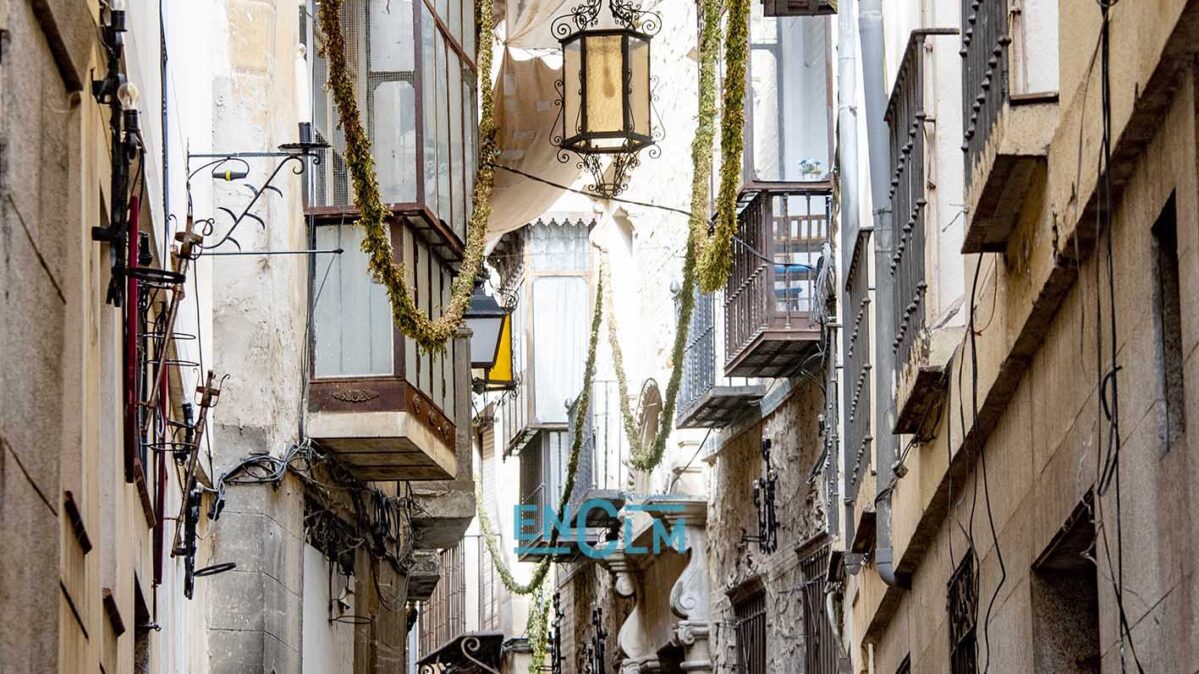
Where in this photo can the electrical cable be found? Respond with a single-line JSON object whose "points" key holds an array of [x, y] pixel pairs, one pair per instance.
{"points": [[1109, 380]]}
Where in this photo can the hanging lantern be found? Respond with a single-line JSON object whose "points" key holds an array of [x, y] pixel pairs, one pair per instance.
{"points": [[605, 94]]}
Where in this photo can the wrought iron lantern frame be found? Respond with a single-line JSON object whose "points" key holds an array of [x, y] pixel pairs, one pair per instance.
{"points": [[574, 136]]}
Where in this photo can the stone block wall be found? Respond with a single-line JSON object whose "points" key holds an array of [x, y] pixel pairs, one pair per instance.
{"points": [[793, 429]]}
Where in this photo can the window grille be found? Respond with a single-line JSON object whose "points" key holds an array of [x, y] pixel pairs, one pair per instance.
{"points": [[820, 650], [857, 387], [750, 612], [963, 617], [699, 356]]}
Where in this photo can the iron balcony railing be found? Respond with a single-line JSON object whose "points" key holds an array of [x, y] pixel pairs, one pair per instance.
{"points": [[513, 410], [703, 351], [906, 117], [443, 616], [776, 257], [699, 356], [984, 73], [857, 379]]}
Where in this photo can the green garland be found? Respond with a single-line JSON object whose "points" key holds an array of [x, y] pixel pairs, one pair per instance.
{"points": [[373, 214], [708, 257], [572, 469], [537, 629], [716, 252]]}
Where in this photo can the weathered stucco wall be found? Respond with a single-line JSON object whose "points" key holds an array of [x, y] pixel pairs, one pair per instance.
{"points": [[793, 431]]}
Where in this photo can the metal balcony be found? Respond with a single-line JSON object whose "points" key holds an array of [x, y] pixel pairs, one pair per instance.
{"points": [[1006, 138], [705, 400], [771, 315]]}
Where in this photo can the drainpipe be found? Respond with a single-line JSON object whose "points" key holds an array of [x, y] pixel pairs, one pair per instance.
{"points": [[847, 158], [870, 24]]}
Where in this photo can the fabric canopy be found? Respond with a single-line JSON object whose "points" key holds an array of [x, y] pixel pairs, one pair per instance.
{"points": [[528, 64]]}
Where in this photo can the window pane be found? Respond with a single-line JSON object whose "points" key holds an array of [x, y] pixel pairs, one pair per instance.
{"points": [[458, 165], [455, 20], [472, 127], [393, 111], [352, 315], [559, 321], [429, 100], [411, 366], [391, 35], [443, 132], [422, 296], [468, 29], [443, 9], [447, 362]]}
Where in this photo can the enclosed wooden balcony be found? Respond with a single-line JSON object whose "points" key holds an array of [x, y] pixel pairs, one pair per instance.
{"points": [[771, 313], [384, 408]]}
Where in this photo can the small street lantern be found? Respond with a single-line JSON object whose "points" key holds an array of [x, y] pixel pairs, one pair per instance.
{"points": [[486, 319], [605, 94]]}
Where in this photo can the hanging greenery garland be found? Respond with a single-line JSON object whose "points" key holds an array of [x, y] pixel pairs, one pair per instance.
{"points": [[708, 257], [373, 215], [572, 468], [537, 629], [715, 256]]}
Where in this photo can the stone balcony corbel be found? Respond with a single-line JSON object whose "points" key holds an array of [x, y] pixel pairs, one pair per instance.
{"points": [[689, 597]]}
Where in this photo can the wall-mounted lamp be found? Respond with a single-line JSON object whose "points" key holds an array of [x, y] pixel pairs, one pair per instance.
{"points": [[491, 339], [121, 98], [764, 503]]}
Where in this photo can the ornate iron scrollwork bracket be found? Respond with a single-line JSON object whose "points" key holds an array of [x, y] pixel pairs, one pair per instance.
{"points": [[594, 654], [297, 153]]}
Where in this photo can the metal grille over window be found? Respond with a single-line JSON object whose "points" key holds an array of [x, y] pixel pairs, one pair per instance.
{"points": [[857, 373], [963, 618], [984, 73], [906, 117], [820, 649], [750, 613]]}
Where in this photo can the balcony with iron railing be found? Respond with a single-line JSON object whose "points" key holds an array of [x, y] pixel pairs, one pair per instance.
{"points": [[601, 474], [705, 399], [858, 383], [771, 313], [912, 284], [1006, 133]]}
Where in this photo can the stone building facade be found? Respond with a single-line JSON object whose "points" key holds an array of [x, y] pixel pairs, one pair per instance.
{"points": [[1019, 536], [115, 438]]}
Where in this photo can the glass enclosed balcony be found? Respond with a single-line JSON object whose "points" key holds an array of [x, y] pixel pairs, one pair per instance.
{"points": [[413, 65]]}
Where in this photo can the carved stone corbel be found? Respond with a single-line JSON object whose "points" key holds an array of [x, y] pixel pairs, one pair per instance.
{"points": [[690, 596], [632, 636]]}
